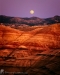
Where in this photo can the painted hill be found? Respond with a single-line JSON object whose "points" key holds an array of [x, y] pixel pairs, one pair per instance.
{"points": [[41, 37], [35, 51]]}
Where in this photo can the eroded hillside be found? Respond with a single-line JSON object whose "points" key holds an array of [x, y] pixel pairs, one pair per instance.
{"points": [[43, 37], [35, 51]]}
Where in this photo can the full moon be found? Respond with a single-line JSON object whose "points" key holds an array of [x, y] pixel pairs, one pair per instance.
{"points": [[31, 11]]}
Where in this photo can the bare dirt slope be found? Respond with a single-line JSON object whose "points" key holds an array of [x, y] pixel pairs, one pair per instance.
{"points": [[43, 37], [36, 52]]}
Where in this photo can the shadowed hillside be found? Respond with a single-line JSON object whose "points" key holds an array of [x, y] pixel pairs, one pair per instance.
{"points": [[29, 21]]}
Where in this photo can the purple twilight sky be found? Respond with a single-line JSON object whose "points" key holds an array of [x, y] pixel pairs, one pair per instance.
{"points": [[21, 8]]}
